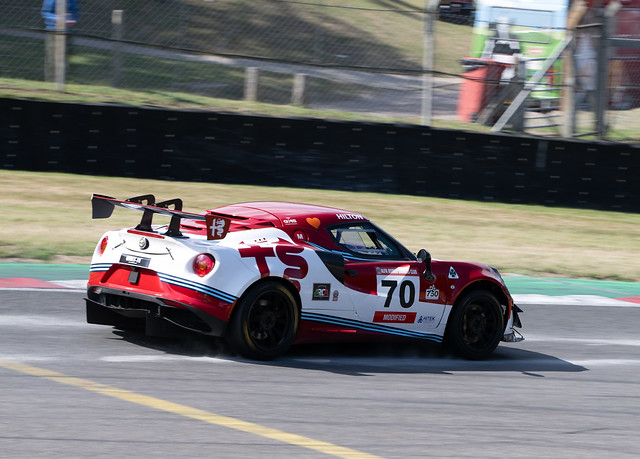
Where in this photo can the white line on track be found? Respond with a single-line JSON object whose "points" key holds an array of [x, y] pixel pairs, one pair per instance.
{"points": [[28, 358], [572, 300], [585, 341], [38, 321], [48, 290], [604, 362], [160, 358]]}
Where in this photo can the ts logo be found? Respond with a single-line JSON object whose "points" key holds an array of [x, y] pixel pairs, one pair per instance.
{"points": [[297, 267]]}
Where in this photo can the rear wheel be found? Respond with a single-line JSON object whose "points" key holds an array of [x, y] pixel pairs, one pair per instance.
{"points": [[265, 322], [476, 325]]}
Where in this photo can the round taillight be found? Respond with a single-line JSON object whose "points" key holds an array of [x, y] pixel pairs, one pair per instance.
{"points": [[203, 264], [103, 244]]}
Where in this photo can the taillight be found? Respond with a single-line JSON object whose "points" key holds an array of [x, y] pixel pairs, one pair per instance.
{"points": [[103, 244], [203, 264]]}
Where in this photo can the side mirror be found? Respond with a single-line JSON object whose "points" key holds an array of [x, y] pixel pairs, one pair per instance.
{"points": [[425, 257]]}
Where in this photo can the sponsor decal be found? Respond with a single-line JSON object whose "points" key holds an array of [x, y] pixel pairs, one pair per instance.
{"points": [[400, 270], [426, 320], [335, 295], [314, 221], [321, 292], [217, 227], [394, 317], [300, 236], [350, 217], [290, 221], [432, 293], [452, 273], [134, 260]]}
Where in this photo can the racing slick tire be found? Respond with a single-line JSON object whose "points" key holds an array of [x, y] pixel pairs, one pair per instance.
{"points": [[476, 325], [265, 322]]}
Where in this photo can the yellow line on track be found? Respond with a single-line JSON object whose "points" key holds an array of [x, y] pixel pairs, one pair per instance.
{"points": [[186, 411]]}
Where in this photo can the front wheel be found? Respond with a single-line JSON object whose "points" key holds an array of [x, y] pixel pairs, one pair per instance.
{"points": [[264, 323], [476, 325]]}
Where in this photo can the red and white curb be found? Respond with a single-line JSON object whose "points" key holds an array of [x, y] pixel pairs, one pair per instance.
{"points": [[28, 284]]}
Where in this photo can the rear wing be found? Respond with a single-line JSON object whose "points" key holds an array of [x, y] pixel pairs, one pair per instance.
{"points": [[217, 224]]}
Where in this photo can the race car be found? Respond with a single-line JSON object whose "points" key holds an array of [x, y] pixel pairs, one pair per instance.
{"points": [[266, 275]]}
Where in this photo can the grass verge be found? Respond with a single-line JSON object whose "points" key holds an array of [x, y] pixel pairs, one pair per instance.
{"points": [[47, 217]]}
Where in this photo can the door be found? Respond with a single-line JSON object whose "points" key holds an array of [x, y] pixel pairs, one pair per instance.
{"points": [[385, 281]]}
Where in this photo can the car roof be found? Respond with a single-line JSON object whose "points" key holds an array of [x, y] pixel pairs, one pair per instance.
{"points": [[289, 213]]}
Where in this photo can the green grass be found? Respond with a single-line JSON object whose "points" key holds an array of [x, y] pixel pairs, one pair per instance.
{"points": [[47, 217], [78, 93]]}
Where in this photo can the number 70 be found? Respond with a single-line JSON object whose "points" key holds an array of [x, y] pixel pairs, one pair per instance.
{"points": [[406, 294]]}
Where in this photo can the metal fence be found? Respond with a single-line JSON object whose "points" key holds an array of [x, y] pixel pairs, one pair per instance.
{"points": [[392, 59]]}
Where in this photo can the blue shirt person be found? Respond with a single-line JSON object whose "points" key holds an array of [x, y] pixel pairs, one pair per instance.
{"points": [[48, 12]]}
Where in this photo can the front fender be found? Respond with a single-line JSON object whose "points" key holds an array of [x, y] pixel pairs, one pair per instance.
{"points": [[458, 278]]}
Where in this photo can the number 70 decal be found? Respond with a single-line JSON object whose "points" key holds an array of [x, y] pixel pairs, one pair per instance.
{"points": [[404, 292]]}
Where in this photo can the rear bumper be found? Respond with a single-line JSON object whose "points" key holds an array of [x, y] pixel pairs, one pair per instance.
{"points": [[123, 309]]}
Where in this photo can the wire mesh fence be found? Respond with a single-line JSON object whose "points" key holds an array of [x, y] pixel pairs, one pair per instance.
{"points": [[363, 57]]}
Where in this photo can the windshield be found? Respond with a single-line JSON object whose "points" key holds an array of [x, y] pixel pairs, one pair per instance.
{"points": [[366, 240]]}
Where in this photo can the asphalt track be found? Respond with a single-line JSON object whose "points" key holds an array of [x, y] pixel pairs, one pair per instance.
{"points": [[70, 389]]}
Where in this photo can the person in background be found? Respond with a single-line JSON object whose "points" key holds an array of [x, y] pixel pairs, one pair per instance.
{"points": [[48, 12]]}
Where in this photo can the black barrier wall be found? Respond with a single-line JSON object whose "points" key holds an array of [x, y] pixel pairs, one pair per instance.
{"points": [[228, 148]]}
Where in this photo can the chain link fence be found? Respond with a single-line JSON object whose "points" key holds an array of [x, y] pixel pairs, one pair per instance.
{"points": [[624, 74], [363, 57]]}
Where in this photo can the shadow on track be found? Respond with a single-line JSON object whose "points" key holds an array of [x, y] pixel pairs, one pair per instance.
{"points": [[365, 359]]}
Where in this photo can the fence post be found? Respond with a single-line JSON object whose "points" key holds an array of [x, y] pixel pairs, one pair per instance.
{"points": [[517, 122], [117, 34], [569, 96], [252, 75], [601, 76], [299, 87], [428, 58], [604, 58], [60, 45], [576, 13]]}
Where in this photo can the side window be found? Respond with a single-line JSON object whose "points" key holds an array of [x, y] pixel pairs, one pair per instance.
{"points": [[365, 240]]}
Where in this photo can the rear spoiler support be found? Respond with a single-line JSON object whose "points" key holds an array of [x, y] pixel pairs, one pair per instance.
{"points": [[147, 217]]}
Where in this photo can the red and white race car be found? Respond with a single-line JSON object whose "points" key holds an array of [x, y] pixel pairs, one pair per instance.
{"points": [[266, 275]]}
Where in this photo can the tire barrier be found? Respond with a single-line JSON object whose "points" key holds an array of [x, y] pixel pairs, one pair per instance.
{"points": [[189, 145]]}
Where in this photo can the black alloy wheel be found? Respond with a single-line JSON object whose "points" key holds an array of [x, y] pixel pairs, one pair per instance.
{"points": [[265, 322], [476, 325]]}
